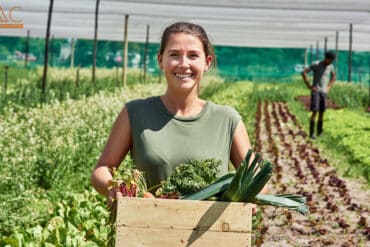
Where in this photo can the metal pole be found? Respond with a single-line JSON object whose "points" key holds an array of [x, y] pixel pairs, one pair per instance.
{"points": [[27, 50], [336, 51], [311, 54], [125, 48], [95, 41], [350, 54], [146, 50], [317, 50], [326, 44], [46, 55]]}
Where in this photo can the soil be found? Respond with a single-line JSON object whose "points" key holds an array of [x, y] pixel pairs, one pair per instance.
{"points": [[305, 100], [338, 207]]}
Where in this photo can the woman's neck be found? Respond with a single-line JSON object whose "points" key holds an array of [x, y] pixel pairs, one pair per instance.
{"points": [[184, 105]]}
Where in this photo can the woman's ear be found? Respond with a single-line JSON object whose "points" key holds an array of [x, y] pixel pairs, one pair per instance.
{"points": [[209, 60], [160, 60]]}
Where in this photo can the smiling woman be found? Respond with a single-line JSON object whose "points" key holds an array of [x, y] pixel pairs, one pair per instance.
{"points": [[184, 62], [162, 132]]}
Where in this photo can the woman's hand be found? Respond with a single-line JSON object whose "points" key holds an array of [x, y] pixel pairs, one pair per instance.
{"points": [[114, 195]]}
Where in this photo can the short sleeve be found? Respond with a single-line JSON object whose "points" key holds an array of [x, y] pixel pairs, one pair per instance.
{"points": [[132, 108], [311, 67], [235, 118]]}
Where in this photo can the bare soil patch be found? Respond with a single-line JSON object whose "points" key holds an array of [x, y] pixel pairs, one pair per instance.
{"points": [[306, 100]]}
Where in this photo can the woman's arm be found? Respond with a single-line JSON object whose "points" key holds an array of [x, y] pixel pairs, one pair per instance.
{"points": [[118, 145], [240, 147], [240, 144]]}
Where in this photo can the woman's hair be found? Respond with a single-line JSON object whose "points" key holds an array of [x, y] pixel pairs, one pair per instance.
{"points": [[188, 28]]}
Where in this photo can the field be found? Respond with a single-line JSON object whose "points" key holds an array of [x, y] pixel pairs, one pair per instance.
{"points": [[48, 152]]}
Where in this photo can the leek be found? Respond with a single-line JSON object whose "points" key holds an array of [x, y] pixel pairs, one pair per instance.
{"points": [[246, 183]]}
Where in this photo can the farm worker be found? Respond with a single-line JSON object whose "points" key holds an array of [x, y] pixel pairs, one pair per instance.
{"points": [[323, 79], [164, 131]]}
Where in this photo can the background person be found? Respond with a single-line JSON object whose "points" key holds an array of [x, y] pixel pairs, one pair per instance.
{"points": [[323, 79]]}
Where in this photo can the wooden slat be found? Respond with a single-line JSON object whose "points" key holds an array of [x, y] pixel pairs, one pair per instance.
{"points": [[144, 237], [186, 215]]}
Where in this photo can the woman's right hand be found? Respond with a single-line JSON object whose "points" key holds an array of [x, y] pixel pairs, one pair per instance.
{"points": [[114, 195]]}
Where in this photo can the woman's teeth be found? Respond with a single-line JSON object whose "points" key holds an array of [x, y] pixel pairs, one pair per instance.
{"points": [[183, 75]]}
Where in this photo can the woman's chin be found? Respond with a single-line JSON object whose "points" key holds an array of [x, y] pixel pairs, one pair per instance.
{"points": [[185, 85]]}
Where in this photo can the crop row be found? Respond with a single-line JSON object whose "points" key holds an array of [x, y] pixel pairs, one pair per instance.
{"points": [[300, 169]]}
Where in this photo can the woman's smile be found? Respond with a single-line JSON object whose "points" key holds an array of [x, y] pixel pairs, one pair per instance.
{"points": [[184, 76]]}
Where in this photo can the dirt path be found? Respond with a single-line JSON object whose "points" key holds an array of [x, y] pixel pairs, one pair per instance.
{"points": [[306, 101], [339, 209]]}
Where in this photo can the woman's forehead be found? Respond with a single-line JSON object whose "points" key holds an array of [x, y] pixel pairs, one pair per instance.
{"points": [[181, 40]]}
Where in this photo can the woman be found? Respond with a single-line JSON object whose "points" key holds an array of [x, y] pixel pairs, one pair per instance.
{"points": [[164, 131]]}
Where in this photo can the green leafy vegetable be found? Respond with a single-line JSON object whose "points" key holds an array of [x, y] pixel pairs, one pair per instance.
{"points": [[246, 183], [191, 177]]}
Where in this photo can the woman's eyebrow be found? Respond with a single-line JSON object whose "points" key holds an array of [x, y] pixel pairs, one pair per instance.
{"points": [[178, 50]]}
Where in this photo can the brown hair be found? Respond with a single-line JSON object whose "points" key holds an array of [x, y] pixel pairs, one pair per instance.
{"points": [[188, 28]]}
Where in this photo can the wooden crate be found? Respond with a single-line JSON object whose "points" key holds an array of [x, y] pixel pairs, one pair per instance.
{"points": [[143, 222]]}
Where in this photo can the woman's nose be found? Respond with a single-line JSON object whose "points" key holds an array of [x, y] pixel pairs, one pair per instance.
{"points": [[184, 61]]}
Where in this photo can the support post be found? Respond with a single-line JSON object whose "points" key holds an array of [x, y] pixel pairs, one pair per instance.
{"points": [[46, 54], [124, 58], [326, 44], [336, 51], [146, 51], [350, 54], [305, 58], [95, 41], [317, 50]]}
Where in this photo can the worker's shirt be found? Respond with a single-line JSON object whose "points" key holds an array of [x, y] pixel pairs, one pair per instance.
{"points": [[321, 75]]}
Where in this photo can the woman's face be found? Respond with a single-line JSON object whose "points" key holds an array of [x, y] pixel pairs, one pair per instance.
{"points": [[184, 61]]}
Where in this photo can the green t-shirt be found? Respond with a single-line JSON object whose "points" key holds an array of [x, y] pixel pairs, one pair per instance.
{"points": [[162, 141]]}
